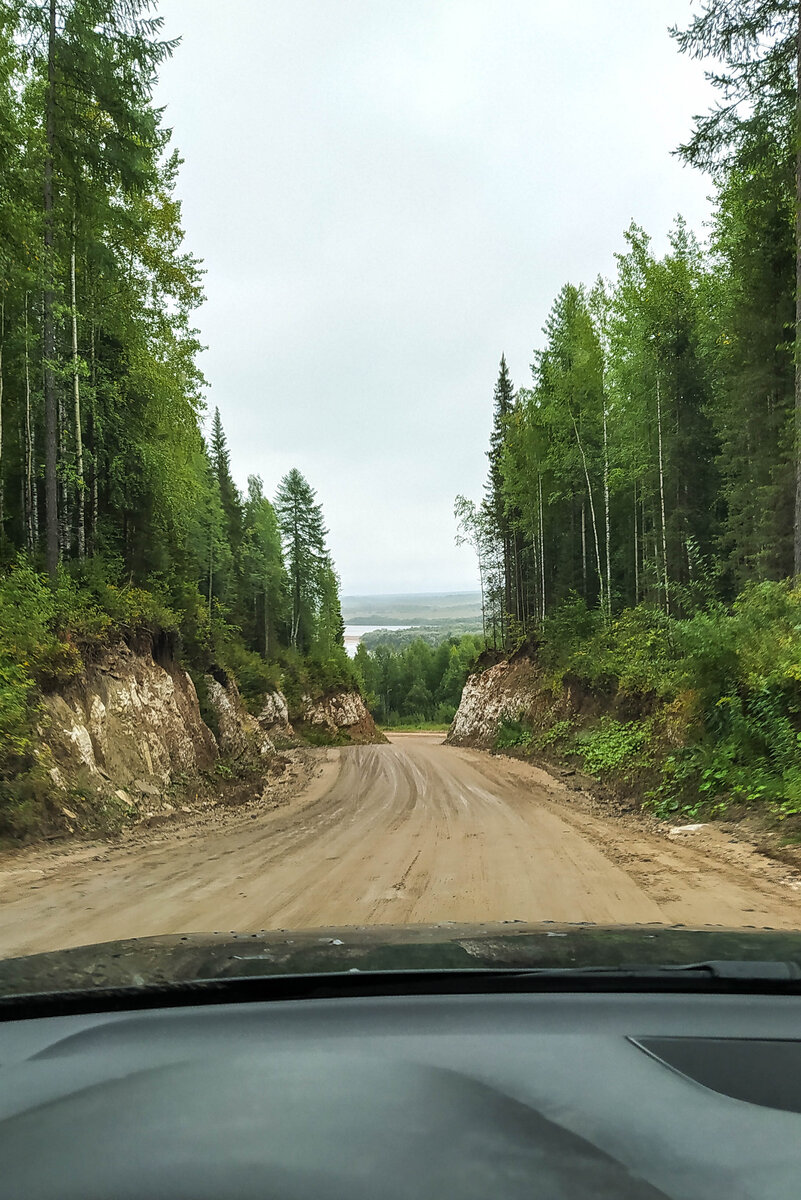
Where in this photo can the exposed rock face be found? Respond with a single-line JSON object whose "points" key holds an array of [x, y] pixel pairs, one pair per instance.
{"points": [[130, 721], [509, 690], [341, 714], [274, 718], [240, 735]]}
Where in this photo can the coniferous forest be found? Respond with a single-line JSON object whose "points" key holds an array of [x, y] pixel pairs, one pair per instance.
{"points": [[118, 507], [641, 524]]}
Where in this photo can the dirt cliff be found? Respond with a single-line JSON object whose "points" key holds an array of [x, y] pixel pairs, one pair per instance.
{"points": [[239, 735], [510, 690], [127, 742], [339, 716], [127, 721]]}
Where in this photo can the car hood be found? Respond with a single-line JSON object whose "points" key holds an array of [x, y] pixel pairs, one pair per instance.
{"points": [[153, 961]]}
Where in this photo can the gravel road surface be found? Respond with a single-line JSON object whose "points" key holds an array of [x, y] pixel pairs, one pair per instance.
{"points": [[412, 832]]}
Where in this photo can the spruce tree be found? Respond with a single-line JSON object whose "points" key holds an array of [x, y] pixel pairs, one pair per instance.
{"points": [[499, 519], [229, 493], [303, 532]]}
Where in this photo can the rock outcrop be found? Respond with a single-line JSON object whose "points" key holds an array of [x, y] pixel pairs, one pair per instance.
{"points": [[341, 715], [510, 690], [239, 735], [127, 742], [274, 719], [128, 721]]}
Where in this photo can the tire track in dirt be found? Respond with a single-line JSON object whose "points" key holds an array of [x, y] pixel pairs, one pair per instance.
{"points": [[411, 832]]}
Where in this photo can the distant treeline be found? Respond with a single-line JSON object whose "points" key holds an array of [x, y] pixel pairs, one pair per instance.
{"points": [[433, 633], [419, 683]]}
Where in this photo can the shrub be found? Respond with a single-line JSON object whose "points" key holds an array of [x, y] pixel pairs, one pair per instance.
{"points": [[611, 745], [513, 733]]}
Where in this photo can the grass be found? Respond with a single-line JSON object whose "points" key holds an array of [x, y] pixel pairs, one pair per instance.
{"points": [[416, 727]]}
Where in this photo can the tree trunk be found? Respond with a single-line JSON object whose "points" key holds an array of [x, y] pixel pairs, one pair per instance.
{"points": [[211, 568], [266, 625], [76, 397], [542, 547], [636, 551], [662, 492], [606, 513], [592, 509], [93, 440], [2, 340], [64, 531], [48, 325], [797, 521], [483, 604], [30, 516]]}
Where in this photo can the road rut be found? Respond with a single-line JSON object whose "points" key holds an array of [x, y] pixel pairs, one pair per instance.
{"points": [[411, 832]]}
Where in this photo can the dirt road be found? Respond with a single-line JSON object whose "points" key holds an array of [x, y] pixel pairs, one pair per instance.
{"points": [[410, 832]]}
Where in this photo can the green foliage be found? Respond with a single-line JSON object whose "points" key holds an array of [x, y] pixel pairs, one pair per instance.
{"points": [[723, 687], [513, 734], [416, 683], [611, 746], [558, 732]]}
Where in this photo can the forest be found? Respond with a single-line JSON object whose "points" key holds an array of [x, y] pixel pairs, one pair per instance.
{"points": [[641, 524], [417, 683], [119, 512]]}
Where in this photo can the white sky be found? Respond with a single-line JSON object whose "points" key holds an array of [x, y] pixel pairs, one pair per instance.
{"points": [[387, 194]]}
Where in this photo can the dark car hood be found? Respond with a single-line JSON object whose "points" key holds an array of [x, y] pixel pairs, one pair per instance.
{"points": [[207, 956], [401, 1094]]}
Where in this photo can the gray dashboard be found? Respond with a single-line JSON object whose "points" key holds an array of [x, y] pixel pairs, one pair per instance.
{"points": [[540, 1095]]}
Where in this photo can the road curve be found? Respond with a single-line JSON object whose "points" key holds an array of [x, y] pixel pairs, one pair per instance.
{"points": [[406, 833]]}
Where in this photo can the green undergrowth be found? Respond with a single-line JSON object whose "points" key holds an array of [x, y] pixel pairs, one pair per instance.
{"points": [[698, 715], [412, 726], [49, 633]]}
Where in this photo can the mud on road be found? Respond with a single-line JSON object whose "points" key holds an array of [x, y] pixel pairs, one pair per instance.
{"points": [[410, 832]]}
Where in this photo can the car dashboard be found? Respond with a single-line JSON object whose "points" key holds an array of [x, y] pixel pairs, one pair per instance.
{"points": [[492, 1095]]}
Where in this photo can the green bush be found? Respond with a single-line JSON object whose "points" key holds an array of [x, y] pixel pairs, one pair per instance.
{"points": [[726, 680], [610, 746], [512, 734]]}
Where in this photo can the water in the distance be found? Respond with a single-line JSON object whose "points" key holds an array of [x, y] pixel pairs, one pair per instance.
{"points": [[355, 633]]}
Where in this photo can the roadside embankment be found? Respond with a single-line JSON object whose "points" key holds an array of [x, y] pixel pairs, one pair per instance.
{"points": [[636, 748], [129, 741]]}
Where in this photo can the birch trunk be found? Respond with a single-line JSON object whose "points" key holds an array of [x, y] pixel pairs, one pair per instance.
{"points": [[76, 398], [797, 519], [606, 514], [592, 509], [63, 522], [93, 418], [2, 340], [636, 551], [211, 569], [542, 549], [48, 323], [30, 516], [483, 604], [662, 492]]}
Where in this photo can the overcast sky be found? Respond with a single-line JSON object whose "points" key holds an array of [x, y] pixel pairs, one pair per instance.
{"points": [[387, 194]]}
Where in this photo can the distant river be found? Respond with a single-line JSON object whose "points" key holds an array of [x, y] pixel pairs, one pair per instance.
{"points": [[355, 633]]}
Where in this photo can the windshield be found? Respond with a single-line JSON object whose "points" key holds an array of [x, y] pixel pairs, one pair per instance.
{"points": [[400, 483]]}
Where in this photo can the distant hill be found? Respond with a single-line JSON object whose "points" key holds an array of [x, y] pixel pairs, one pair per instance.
{"points": [[411, 608]]}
